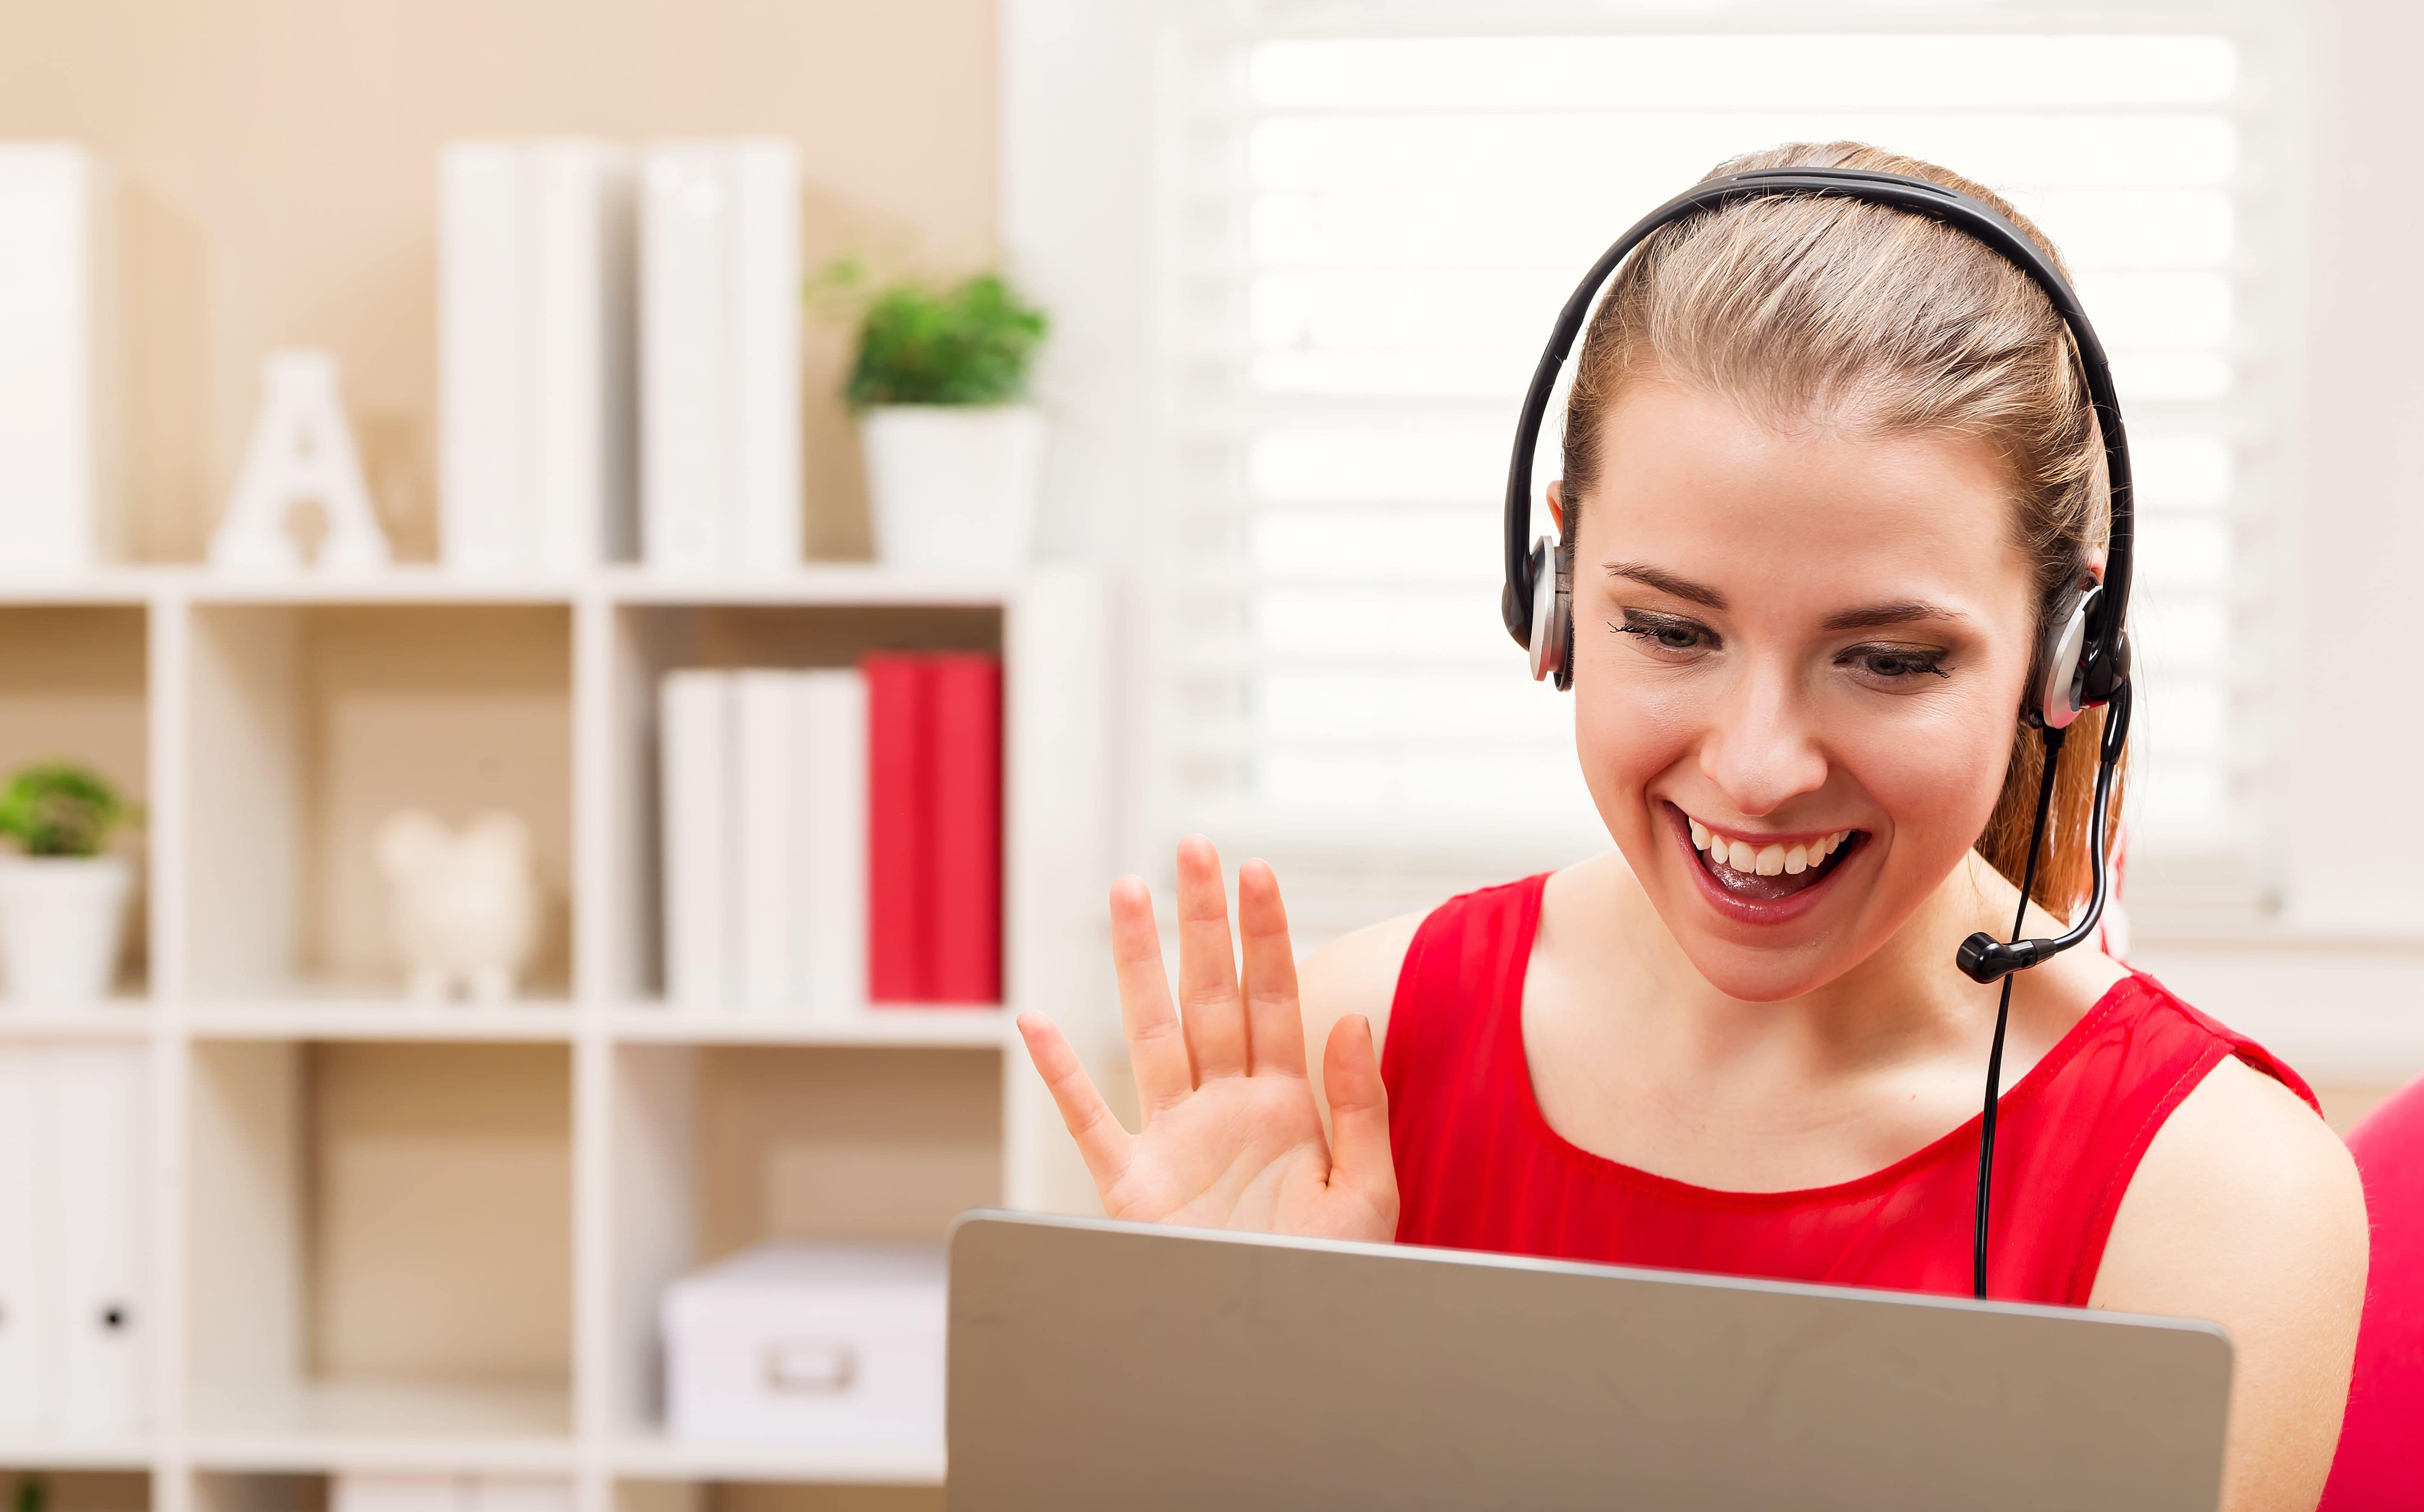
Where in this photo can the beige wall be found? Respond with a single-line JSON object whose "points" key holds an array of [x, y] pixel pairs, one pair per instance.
{"points": [[440, 1208], [279, 158]]}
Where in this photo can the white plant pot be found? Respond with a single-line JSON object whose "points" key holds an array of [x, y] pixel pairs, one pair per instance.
{"points": [[60, 922], [953, 487]]}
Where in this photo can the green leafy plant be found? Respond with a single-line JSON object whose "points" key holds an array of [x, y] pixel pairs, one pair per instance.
{"points": [[33, 1494], [964, 343], [58, 808]]}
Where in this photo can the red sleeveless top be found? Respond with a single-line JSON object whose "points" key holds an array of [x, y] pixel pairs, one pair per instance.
{"points": [[1478, 1168]]}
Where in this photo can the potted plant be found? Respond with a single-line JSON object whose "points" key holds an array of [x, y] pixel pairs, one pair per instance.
{"points": [[954, 452], [62, 902]]}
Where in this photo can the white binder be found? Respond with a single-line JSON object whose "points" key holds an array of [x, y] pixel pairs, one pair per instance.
{"points": [[482, 353], [59, 379], [831, 844], [765, 354], [534, 354], [683, 378], [26, 1363], [101, 1155], [768, 837], [719, 468], [695, 806]]}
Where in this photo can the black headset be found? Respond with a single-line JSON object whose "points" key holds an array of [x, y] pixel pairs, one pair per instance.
{"points": [[2083, 659]]}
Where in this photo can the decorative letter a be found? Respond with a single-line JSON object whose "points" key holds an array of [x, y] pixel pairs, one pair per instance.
{"points": [[300, 450]]}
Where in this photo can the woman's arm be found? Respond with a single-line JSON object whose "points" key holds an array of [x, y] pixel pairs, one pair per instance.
{"points": [[2247, 1211], [1354, 974]]}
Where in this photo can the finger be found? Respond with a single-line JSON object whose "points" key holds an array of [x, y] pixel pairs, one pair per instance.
{"points": [[1358, 1112], [1099, 1137], [1156, 1047], [1208, 965], [1274, 1019]]}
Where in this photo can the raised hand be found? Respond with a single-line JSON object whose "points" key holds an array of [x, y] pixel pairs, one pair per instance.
{"points": [[1232, 1137]]}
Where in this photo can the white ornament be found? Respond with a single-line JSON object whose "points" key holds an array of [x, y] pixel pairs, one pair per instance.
{"points": [[465, 906], [300, 450]]}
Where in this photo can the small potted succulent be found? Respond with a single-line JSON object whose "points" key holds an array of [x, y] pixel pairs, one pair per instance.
{"points": [[954, 452], [62, 900]]}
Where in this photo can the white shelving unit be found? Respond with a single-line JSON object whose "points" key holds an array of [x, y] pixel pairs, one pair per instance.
{"points": [[397, 1236]]}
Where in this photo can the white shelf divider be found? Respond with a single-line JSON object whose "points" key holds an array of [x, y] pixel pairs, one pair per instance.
{"points": [[233, 1012]]}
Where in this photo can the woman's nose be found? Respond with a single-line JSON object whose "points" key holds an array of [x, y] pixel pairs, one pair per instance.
{"points": [[1760, 750]]}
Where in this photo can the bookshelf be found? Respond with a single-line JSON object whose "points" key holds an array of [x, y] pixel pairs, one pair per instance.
{"points": [[398, 1236]]}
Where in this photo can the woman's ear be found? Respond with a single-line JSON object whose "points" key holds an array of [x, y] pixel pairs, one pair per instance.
{"points": [[1558, 506]]}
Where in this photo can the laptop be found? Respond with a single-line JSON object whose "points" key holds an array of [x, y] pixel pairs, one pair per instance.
{"points": [[1096, 1364]]}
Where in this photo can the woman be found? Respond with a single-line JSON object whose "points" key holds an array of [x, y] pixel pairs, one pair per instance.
{"points": [[1826, 465]]}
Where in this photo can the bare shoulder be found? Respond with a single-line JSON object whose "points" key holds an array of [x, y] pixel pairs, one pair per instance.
{"points": [[2247, 1211], [2246, 1151], [1355, 973]]}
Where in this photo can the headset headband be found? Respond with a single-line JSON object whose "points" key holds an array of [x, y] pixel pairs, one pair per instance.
{"points": [[2105, 662]]}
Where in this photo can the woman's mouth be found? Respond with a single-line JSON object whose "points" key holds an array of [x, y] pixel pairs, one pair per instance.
{"points": [[1757, 873]]}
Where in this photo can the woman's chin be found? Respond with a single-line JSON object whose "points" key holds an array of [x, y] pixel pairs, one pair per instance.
{"points": [[1762, 974]]}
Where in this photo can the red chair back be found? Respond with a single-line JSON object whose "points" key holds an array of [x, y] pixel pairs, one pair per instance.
{"points": [[2380, 1466]]}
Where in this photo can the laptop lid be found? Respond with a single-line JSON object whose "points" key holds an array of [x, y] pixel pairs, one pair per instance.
{"points": [[1096, 1364]]}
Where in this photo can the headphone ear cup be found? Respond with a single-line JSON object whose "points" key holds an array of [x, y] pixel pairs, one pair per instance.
{"points": [[1553, 637], [2059, 695]]}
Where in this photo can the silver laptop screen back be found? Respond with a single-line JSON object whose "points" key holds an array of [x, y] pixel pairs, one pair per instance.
{"points": [[1099, 1366]]}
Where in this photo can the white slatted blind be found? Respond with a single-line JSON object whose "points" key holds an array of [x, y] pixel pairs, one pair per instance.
{"points": [[1377, 212]]}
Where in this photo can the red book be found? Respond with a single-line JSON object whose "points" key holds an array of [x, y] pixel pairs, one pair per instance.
{"points": [[967, 834], [899, 810]]}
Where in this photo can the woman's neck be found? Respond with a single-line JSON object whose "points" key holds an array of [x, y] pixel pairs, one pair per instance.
{"points": [[1637, 1056]]}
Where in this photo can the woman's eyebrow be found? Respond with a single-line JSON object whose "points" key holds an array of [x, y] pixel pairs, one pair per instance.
{"points": [[1667, 582], [1902, 611], [1875, 615]]}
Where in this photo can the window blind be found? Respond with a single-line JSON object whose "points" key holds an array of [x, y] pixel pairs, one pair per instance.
{"points": [[1375, 212]]}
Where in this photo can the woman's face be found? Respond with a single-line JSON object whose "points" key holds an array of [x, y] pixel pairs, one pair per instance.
{"points": [[1804, 650]]}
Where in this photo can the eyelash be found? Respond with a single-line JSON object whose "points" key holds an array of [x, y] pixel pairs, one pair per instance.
{"points": [[1914, 663], [1648, 627], [1910, 662]]}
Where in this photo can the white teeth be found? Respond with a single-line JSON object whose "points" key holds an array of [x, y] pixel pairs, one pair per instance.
{"points": [[1765, 861]]}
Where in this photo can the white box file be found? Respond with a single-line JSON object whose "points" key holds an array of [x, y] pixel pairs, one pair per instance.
{"points": [[764, 835], [535, 251], [809, 1344], [720, 462], [101, 1153], [60, 489], [697, 715], [74, 1306], [829, 843], [28, 1367]]}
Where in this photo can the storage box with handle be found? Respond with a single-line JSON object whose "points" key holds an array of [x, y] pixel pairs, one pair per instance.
{"points": [[809, 1344]]}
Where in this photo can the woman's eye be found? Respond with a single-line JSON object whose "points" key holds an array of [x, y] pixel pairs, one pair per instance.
{"points": [[1663, 634], [1888, 665]]}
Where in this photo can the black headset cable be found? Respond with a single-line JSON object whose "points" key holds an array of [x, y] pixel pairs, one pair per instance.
{"points": [[2053, 739]]}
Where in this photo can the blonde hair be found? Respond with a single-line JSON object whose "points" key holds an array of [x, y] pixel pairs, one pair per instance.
{"points": [[1807, 307]]}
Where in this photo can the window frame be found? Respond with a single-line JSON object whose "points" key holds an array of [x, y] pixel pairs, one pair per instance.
{"points": [[1356, 869]]}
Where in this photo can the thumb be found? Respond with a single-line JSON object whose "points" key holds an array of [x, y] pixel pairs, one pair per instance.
{"points": [[1359, 1114]]}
